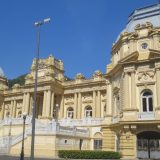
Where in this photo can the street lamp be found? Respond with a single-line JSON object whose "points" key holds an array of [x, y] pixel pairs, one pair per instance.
{"points": [[22, 149], [38, 25]]}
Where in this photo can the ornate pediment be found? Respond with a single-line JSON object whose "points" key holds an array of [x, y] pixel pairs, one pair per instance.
{"points": [[154, 53], [146, 76], [130, 58]]}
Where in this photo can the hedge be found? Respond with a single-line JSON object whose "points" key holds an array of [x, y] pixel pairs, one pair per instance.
{"points": [[75, 154]]}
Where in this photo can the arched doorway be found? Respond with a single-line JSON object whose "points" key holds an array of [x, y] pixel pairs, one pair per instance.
{"points": [[148, 145]]}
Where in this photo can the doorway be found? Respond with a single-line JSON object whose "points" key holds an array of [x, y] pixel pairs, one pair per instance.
{"points": [[148, 145]]}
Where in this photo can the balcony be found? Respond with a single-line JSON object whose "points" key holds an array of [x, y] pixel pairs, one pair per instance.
{"points": [[146, 116]]}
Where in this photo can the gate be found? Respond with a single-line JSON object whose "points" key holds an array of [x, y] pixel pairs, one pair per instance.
{"points": [[148, 145]]}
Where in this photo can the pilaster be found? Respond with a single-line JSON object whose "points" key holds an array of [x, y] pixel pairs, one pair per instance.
{"points": [[2, 113], [94, 104], [44, 103], [27, 103], [52, 104], [75, 106], [48, 104], [79, 105], [14, 108], [98, 106], [109, 99], [158, 84], [24, 102], [133, 91], [126, 95]]}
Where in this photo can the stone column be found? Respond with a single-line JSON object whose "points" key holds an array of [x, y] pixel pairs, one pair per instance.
{"points": [[24, 102], [27, 103], [94, 105], [126, 91], [52, 104], [2, 112], [62, 107], [133, 90], [44, 104], [31, 105], [79, 105], [98, 106], [158, 84], [14, 108], [108, 99], [75, 106], [48, 103]]}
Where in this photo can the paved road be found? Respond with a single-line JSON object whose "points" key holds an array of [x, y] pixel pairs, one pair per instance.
{"points": [[17, 158], [27, 158]]}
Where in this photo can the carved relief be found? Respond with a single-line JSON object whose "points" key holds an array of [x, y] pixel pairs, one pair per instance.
{"points": [[87, 98], [132, 36], [69, 99], [146, 76], [145, 25], [79, 76], [97, 75]]}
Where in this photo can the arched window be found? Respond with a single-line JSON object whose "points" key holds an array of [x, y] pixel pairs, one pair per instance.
{"points": [[88, 111], [70, 112], [97, 143], [147, 101]]}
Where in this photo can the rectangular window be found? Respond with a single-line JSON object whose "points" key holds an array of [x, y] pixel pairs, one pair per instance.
{"points": [[150, 104], [144, 105], [97, 144]]}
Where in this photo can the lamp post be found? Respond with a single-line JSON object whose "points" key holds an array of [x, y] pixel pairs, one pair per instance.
{"points": [[38, 25], [22, 149]]}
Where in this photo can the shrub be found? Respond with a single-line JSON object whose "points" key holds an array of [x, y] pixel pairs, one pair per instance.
{"points": [[75, 154]]}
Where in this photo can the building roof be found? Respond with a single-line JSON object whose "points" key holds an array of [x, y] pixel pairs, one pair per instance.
{"points": [[141, 16]]}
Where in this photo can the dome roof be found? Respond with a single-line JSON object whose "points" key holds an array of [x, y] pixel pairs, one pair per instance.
{"points": [[146, 14], [1, 72], [141, 16]]}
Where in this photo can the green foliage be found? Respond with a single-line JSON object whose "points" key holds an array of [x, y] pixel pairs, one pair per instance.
{"points": [[75, 154], [19, 80]]}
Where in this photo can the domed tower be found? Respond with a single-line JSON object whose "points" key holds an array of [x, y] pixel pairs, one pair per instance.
{"points": [[133, 86], [141, 36]]}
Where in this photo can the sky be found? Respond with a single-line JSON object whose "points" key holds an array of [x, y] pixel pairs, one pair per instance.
{"points": [[81, 33]]}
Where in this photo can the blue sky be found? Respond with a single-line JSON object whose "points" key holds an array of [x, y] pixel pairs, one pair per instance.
{"points": [[81, 32]]}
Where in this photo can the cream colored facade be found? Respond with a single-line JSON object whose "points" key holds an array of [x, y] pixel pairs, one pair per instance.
{"points": [[120, 109]]}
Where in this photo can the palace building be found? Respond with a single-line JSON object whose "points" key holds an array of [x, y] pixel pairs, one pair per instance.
{"points": [[115, 111]]}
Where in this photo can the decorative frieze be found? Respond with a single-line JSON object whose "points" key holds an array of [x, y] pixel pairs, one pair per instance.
{"points": [[146, 76], [13, 98], [84, 89], [69, 99]]}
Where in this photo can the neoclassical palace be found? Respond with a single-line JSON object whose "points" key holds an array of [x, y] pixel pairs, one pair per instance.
{"points": [[115, 111]]}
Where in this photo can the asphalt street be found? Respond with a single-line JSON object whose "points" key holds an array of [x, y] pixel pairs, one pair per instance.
{"points": [[4, 157]]}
